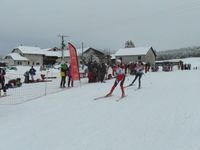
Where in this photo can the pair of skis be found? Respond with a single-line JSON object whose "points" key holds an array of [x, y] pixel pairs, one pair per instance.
{"points": [[106, 96], [102, 97], [128, 85]]}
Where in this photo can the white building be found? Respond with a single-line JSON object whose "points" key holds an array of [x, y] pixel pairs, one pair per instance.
{"points": [[145, 54], [26, 55], [13, 59]]}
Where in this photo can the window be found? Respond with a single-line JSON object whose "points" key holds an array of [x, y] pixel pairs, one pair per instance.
{"points": [[19, 62]]}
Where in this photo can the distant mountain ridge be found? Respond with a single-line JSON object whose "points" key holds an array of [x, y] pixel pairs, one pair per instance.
{"points": [[179, 53]]}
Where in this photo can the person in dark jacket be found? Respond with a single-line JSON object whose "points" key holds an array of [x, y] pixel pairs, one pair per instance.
{"points": [[63, 73], [90, 74], [2, 81], [102, 72], [32, 72], [70, 80], [26, 77]]}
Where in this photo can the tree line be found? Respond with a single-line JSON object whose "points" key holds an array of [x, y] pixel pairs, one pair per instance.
{"points": [[179, 53]]}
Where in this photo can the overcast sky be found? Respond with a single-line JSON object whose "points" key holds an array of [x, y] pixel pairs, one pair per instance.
{"points": [[102, 24]]}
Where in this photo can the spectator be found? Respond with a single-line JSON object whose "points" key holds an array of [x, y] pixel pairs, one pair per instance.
{"points": [[32, 72], [63, 74], [102, 72], [70, 80], [26, 77], [2, 81]]}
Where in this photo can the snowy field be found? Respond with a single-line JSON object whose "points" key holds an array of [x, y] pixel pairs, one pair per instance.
{"points": [[163, 115]]}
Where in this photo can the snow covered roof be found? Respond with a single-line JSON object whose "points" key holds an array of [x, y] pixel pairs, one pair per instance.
{"points": [[169, 60], [29, 50], [79, 50], [132, 51], [16, 56], [47, 52]]}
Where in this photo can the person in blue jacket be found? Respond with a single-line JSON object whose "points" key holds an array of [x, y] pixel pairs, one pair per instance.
{"points": [[32, 72]]}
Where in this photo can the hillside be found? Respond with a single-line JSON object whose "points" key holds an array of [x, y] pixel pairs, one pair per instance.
{"points": [[179, 53]]}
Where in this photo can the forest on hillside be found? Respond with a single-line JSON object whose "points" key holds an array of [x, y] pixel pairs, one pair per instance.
{"points": [[179, 53]]}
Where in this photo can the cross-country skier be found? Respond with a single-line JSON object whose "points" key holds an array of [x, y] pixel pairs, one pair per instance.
{"points": [[138, 74], [120, 77]]}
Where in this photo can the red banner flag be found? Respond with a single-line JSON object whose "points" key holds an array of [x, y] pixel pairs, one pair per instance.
{"points": [[74, 62]]}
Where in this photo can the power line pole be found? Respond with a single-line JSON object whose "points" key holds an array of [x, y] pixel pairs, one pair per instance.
{"points": [[62, 46], [82, 59], [82, 49]]}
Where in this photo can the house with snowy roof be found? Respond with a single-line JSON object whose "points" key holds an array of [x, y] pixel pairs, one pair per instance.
{"points": [[86, 55], [26, 55], [145, 54], [15, 59]]}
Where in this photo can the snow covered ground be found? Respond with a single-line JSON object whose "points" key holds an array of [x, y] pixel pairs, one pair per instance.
{"points": [[163, 115]]}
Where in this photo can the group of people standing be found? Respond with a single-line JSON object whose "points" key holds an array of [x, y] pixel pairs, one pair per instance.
{"points": [[31, 72], [96, 72], [65, 71]]}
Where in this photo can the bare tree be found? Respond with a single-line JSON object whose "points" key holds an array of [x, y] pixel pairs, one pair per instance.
{"points": [[129, 44], [90, 56]]}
